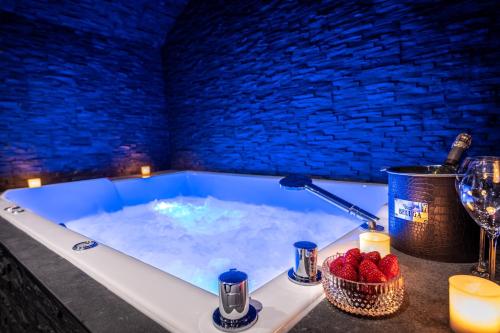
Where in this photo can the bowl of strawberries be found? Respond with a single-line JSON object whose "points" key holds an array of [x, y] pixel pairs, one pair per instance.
{"points": [[363, 283]]}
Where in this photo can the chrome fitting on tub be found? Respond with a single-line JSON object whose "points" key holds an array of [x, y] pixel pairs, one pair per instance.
{"points": [[298, 182], [14, 210], [372, 226], [82, 246], [305, 271], [235, 313]]}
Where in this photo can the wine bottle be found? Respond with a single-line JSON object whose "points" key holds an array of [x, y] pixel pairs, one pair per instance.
{"points": [[459, 146]]}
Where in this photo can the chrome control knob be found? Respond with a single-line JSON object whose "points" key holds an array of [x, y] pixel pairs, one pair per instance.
{"points": [[233, 294], [306, 257]]}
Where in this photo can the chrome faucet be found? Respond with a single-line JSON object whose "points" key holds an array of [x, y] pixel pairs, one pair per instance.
{"points": [[298, 182]]}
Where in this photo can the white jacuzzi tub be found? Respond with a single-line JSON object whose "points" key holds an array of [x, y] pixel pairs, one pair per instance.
{"points": [[149, 231]]}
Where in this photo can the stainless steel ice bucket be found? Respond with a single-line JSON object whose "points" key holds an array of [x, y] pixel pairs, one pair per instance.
{"points": [[426, 217]]}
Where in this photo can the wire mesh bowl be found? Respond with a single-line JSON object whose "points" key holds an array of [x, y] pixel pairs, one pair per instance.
{"points": [[361, 298]]}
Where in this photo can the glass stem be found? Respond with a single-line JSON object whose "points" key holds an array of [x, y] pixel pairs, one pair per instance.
{"points": [[493, 256], [482, 246]]}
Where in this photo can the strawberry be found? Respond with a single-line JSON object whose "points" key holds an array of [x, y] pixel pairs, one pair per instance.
{"points": [[355, 253], [373, 256], [365, 268], [351, 260], [339, 267], [348, 272], [376, 276], [336, 265], [353, 257], [389, 266]]}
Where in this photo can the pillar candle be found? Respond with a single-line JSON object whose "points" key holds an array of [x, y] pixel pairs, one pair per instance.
{"points": [[34, 182], [474, 304], [375, 241], [145, 171]]}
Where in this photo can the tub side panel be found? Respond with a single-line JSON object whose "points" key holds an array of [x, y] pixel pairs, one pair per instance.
{"points": [[68, 201], [267, 191], [138, 191]]}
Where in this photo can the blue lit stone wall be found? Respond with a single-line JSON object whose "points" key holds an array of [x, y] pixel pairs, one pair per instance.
{"points": [[81, 89], [145, 21], [337, 89]]}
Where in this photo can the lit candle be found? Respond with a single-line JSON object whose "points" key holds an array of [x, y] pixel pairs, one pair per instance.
{"points": [[34, 182], [496, 172], [375, 241], [474, 304], [145, 171]]}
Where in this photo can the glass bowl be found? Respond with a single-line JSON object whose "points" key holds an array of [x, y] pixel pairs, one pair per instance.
{"points": [[362, 298]]}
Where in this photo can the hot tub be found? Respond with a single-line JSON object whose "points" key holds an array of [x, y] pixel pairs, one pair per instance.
{"points": [[163, 240]]}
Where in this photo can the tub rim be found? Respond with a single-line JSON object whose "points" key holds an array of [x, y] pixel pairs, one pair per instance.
{"points": [[292, 301]]}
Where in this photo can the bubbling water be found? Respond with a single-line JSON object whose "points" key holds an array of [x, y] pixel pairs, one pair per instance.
{"points": [[197, 238]]}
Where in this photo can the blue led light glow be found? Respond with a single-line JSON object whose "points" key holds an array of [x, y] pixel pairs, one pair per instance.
{"points": [[203, 219]]}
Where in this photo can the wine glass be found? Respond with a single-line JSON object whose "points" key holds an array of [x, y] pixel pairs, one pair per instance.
{"points": [[480, 268], [479, 191]]}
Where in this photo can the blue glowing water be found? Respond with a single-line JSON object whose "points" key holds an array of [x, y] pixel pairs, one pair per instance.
{"points": [[200, 218], [196, 238]]}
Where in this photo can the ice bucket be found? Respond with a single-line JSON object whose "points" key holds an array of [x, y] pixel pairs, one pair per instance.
{"points": [[426, 217]]}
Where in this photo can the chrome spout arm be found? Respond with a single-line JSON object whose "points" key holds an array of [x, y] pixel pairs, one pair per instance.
{"points": [[305, 183]]}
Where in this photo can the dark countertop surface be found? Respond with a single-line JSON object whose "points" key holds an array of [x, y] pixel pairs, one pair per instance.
{"points": [[425, 308]]}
